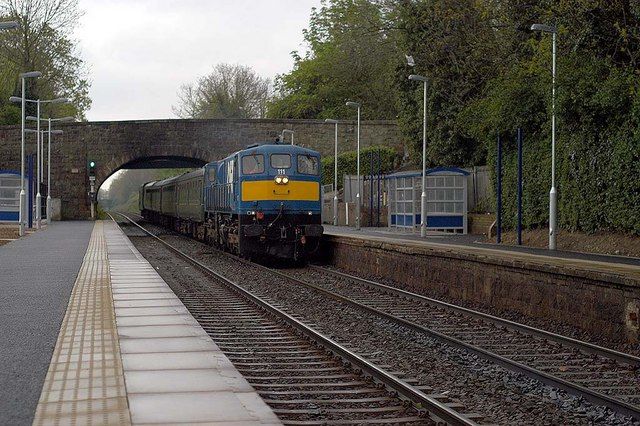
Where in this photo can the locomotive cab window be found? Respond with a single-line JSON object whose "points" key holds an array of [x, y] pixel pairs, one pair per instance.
{"points": [[280, 161], [308, 164], [253, 164], [212, 174]]}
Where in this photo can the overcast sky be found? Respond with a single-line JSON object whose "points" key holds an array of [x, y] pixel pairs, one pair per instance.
{"points": [[140, 51]]}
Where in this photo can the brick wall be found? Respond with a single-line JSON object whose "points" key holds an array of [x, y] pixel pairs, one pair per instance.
{"points": [[605, 304], [113, 144]]}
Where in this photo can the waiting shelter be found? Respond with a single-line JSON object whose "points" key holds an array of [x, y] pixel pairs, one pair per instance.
{"points": [[9, 196], [446, 190]]}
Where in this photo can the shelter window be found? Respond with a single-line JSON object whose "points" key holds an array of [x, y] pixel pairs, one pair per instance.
{"points": [[308, 164], [253, 164], [280, 161]]}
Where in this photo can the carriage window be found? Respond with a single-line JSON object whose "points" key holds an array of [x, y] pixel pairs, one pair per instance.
{"points": [[308, 165], [253, 164], [280, 161]]}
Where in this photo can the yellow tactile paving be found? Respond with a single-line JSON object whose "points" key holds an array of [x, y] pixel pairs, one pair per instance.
{"points": [[85, 382]]}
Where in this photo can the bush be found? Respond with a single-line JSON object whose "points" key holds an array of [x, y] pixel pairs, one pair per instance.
{"points": [[597, 152], [347, 163]]}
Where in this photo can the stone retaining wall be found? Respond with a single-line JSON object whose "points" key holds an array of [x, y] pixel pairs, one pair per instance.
{"points": [[601, 303]]}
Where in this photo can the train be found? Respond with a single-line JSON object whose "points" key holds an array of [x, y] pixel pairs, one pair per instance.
{"points": [[260, 202]]}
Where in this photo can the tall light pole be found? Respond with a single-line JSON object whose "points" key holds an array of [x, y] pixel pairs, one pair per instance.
{"points": [[50, 132], [423, 196], [23, 194], [39, 165], [553, 194], [335, 172], [285, 131], [357, 105]]}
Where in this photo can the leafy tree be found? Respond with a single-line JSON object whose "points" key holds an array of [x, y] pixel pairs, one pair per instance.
{"points": [[489, 75], [351, 56], [229, 91], [42, 43]]}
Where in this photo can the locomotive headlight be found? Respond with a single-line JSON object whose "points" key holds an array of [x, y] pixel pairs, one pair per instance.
{"points": [[281, 180]]}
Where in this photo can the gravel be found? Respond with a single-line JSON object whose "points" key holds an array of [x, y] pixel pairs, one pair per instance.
{"points": [[546, 324]]}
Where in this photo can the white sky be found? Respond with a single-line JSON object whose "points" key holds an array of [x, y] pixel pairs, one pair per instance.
{"points": [[139, 52]]}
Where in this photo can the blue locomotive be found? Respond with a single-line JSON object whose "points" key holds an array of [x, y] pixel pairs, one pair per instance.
{"points": [[263, 200]]}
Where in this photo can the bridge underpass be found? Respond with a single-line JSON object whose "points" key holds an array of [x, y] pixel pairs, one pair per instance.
{"points": [[119, 191]]}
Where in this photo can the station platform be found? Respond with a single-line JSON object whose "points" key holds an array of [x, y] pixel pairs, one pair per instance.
{"points": [[624, 266], [93, 335]]}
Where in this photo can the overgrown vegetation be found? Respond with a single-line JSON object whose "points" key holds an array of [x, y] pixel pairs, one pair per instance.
{"points": [[347, 163], [489, 74]]}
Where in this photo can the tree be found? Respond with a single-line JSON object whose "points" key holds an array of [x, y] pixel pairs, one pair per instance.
{"points": [[352, 56], [229, 91], [489, 74], [42, 43]]}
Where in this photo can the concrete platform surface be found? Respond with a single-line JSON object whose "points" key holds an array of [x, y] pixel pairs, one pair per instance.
{"points": [[620, 265], [37, 273], [129, 352]]}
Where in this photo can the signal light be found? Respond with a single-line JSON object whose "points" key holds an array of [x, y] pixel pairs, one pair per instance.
{"points": [[92, 168]]}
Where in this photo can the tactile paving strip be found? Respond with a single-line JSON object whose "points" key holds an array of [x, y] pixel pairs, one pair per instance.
{"points": [[174, 372], [85, 382]]}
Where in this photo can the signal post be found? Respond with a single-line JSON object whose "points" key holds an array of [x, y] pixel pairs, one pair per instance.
{"points": [[92, 186]]}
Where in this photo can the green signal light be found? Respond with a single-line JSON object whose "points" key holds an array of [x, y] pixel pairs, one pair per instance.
{"points": [[92, 164]]}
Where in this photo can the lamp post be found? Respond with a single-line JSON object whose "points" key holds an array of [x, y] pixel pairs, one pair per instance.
{"points": [[54, 132], [357, 105], [335, 172], [39, 160], [423, 196], [553, 194], [285, 131], [23, 194]]}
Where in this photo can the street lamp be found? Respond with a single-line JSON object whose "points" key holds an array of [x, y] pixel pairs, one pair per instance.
{"points": [[285, 131], [55, 132], [23, 194], [553, 194], [39, 150], [423, 196], [357, 105], [335, 172]]}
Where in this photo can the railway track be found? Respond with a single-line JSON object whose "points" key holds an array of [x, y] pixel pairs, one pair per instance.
{"points": [[600, 375], [304, 376]]}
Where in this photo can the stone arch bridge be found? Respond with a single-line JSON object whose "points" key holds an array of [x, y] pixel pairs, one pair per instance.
{"points": [[168, 143]]}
